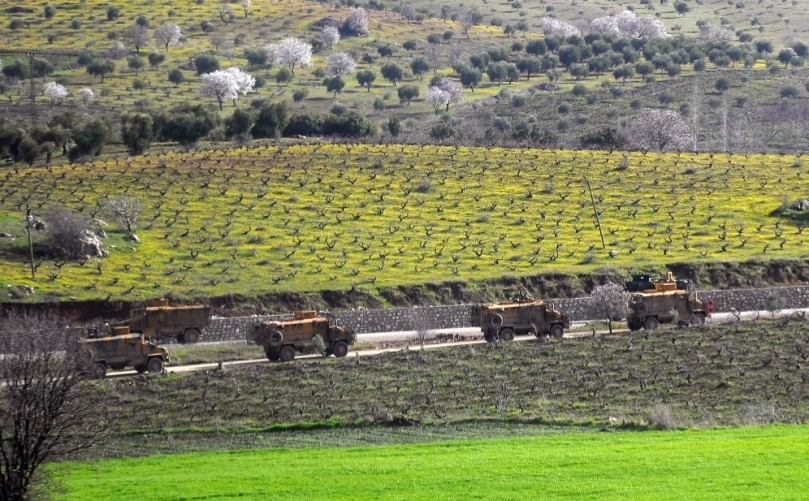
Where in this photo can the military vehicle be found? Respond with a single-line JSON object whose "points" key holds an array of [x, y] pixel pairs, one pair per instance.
{"points": [[160, 320], [525, 315], [116, 347], [665, 301], [282, 339]]}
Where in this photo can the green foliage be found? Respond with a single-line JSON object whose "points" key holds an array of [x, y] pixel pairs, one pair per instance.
{"points": [[186, 125], [112, 13], [607, 138], [284, 76], [89, 138], [176, 76], [334, 84], [137, 132], [270, 120], [239, 125], [100, 68], [206, 63], [392, 72], [407, 93], [156, 59], [365, 78], [470, 77], [394, 126], [300, 95], [257, 57]]}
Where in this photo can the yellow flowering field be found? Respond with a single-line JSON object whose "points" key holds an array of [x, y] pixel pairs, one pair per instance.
{"points": [[307, 217]]}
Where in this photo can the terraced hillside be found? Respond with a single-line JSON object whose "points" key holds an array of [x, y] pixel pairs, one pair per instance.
{"points": [[326, 217]]}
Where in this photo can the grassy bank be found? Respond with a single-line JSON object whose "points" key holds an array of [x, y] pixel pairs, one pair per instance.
{"points": [[722, 464]]}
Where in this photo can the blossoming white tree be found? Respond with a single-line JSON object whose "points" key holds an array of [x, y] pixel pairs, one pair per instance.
{"points": [[246, 6], [86, 94], [717, 33], [340, 63], [443, 93], [656, 129], [55, 91], [291, 52], [168, 33], [628, 24], [227, 84], [357, 22], [330, 35], [553, 27]]}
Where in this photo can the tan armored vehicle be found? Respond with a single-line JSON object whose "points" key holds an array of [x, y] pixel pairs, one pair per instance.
{"points": [[281, 339], [116, 347], [526, 315], [160, 320], [662, 302]]}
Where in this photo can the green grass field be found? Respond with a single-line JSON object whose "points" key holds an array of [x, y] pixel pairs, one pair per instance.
{"points": [[722, 464]]}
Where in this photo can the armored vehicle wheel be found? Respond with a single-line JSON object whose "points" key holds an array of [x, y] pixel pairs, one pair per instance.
{"points": [[287, 354], [140, 368], [272, 354], [634, 324], [340, 349], [488, 336], [495, 321], [99, 370], [543, 338], [651, 324], [698, 319], [155, 365], [191, 336], [557, 331], [276, 339], [506, 335]]}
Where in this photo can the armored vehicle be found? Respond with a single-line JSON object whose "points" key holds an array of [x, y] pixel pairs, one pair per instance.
{"points": [[162, 321], [670, 299], [282, 339], [526, 315], [116, 347]]}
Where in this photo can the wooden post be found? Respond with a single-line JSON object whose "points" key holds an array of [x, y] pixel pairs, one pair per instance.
{"points": [[595, 211], [30, 245]]}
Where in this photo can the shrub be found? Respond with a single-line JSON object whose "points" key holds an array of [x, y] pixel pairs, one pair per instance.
{"points": [[65, 233], [789, 92], [206, 63], [579, 90]]}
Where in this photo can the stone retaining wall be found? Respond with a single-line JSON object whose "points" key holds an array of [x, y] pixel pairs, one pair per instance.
{"points": [[445, 317]]}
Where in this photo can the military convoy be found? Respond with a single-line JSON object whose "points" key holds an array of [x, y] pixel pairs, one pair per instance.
{"points": [[282, 339], [115, 347], [525, 315], [161, 321], [663, 301]]}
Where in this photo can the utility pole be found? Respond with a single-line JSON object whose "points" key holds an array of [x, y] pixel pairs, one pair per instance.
{"points": [[28, 218], [595, 211], [33, 94]]}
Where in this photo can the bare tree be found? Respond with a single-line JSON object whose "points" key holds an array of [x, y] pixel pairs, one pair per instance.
{"points": [[66, 233], [125, 212], [609, 301], [420, 323], [48, 410], [468, 19], [138, 36]]}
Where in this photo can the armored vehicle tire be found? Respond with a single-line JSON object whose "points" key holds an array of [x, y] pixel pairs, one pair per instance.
{"points": [[191, 336], [340, 349], [488, 337], [287, 354], [155, 365], [276, 339], [272, 355], [506, 335], [495, 321], [651, 323], [557, 331], [140, 369], [634, 324], [698, 319], [99, 370]]}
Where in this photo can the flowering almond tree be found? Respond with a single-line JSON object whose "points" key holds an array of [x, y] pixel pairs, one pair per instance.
{"points": [[55, 91], [357, 22], [340, 63], [553, 27], [168, 33], [86, 94], [656, 129], [227, 84], [628, 24], [330, 35], [443, 93], [291, 52]]}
